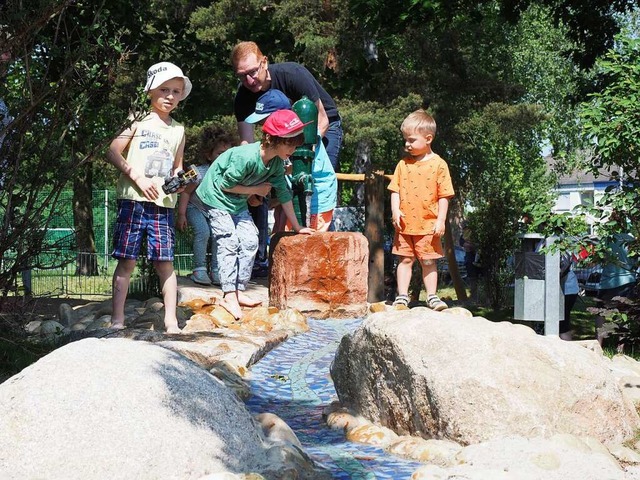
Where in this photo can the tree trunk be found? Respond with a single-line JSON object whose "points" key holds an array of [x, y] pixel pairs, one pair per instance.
{"points": [[87, 260], [449, 250], [361, 164]]}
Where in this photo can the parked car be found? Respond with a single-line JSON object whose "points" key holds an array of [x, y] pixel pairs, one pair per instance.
{"points": [[443, 266], [589, 279]]}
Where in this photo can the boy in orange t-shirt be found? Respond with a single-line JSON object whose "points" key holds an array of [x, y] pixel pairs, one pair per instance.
{"points": [[420, 191]]}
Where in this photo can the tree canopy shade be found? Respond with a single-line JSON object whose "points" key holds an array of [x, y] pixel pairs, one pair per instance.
{"points": [[501, 78], [62, 59]]}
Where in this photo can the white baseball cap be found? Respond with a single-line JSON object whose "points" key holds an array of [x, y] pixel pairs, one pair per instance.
{"points": [[163, 71]]}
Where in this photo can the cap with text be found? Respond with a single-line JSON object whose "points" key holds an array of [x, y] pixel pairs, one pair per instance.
{"points": [[164, 71], [284, 123], [269, 102]]}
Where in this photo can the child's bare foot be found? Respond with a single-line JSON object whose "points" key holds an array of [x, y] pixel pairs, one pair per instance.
{"points": [[117, 325], [172, 327], [230, 303], [246, 301]]}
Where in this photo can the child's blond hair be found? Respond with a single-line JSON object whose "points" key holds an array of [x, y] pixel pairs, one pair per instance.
{"points": [[419, 121]]}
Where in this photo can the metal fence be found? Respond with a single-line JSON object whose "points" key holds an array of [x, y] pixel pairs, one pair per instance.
{"points": [[56, 280]]}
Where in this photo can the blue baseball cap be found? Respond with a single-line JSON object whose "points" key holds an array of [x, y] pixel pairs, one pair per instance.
{"points": [[269, 102]]}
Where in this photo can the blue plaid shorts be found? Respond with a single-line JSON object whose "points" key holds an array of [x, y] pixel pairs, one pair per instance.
{"points": [[137, 218]]}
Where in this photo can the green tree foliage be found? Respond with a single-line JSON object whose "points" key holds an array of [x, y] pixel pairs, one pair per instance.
{"points": [[63, 57], [611, 122], [505, 172]]}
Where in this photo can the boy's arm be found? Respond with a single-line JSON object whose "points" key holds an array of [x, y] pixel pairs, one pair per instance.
{"points": [[287, 207], [178, 159], [439, 226], [183, 201], [261, 189], [245, 131], [115, 157], [396, 213]]}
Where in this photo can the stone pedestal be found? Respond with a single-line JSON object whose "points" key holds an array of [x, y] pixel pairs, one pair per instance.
{"points": [[323, 275]]}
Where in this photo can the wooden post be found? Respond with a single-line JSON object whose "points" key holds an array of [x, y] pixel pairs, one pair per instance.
{"points": [[374, 232]]}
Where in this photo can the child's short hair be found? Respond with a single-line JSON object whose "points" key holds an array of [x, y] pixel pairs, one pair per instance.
{"points": [[212, 136], [273, 141], [419, 121]]}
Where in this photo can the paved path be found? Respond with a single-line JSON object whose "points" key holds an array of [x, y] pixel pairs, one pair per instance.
{"points": [[293, 381]]}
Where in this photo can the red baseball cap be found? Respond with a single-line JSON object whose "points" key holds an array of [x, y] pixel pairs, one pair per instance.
{"points": [[284, 123]]}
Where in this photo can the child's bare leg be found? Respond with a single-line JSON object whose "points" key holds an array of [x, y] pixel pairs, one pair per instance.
{"points": [[403, 275], [169, 286], [246, 300], [430, 276], [120, 287], [230, 303]]}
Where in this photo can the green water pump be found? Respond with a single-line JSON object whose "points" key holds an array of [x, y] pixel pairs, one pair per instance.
{"points": [[302, 160]]}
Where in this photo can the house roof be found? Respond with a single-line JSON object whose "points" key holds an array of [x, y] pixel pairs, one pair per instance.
{"points": [[580, 177]]}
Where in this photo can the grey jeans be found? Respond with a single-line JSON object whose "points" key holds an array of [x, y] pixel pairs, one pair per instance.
{"points": [[236, 237]]}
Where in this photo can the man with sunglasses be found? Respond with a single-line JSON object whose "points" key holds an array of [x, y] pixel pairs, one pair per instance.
{"points": [[256, 76]]}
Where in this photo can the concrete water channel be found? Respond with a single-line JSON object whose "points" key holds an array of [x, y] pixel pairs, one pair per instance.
{"points": [[293, 382]]}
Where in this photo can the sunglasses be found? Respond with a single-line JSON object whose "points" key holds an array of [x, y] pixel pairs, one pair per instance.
{"points": [[253, 74]]}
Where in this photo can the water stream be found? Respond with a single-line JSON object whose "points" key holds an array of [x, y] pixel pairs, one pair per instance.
{"points": [[293, 382]]}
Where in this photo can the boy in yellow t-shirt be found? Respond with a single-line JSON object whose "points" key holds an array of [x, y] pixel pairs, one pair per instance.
{"points": [[420, 191], [154, 149]]}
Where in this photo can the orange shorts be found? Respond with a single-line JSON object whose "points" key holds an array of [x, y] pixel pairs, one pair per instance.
{"points": [[321, 221], [318, 221], [422, 247]]}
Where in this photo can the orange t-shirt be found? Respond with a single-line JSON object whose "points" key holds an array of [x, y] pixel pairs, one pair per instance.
{"points": [[420, 186]]}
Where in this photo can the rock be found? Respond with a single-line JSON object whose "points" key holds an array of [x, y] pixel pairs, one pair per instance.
{"points": [[230, 376], [439, 452], [102, 322], [48, 327], [290, 320], [517, 458], [66, 315], [536, 458], [236, 348], [624, 454], [631, 388], [371, 435], [592, 345], [276, 430], [378, 307], [154, 304], [341, 418], [78, 326], [129, 410], [466, 379], [322, 275], [33, 326], [199, 323], [463, 312]]}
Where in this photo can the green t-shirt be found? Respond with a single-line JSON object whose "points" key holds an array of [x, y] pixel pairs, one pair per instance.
{"points": [[241, 166]]}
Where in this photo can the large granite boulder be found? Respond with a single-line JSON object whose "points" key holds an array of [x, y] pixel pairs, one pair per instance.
{"points": [[324, 275], [468, 380], [122, 409]]}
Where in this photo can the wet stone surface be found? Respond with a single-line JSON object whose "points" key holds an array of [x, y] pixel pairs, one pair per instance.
{"points": [[293, 382]]}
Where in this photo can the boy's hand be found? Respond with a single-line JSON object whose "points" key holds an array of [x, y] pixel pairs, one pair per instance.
{"points": [[438, 228], [254, 200], [306, 231], [148, 188], [397, 219], [181, 222], [263, 189]]}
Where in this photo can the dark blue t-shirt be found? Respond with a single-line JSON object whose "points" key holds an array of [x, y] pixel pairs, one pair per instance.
{"points": [[294, 81]]}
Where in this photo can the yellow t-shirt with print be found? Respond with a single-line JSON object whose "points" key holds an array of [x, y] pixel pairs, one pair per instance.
{"points": [[151, 152]]}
